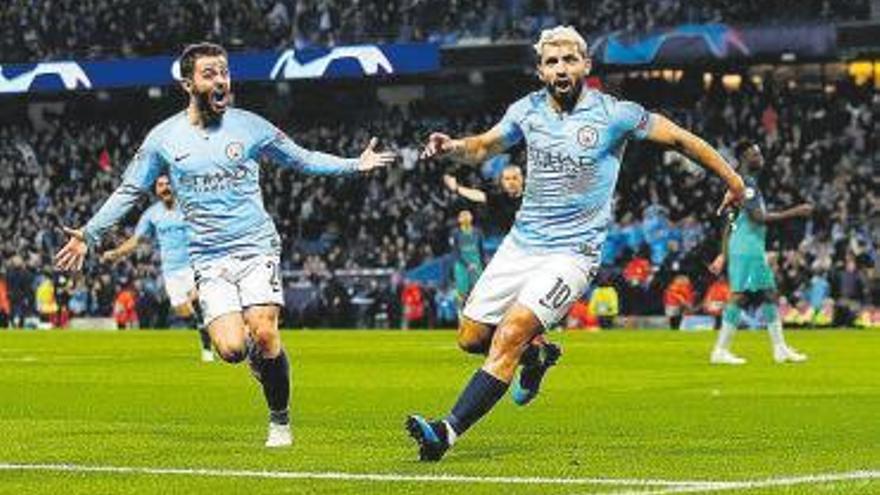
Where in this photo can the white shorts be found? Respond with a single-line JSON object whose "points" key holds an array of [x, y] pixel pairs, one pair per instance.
{"points": [[178, 285], [231, 284], [546, 283]]}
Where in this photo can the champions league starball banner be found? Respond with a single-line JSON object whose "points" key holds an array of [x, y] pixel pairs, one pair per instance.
{"points": [[312, 63], [703, 43]]}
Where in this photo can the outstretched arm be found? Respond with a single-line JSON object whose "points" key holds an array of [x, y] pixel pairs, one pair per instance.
{"points": [[471, 150], [474, 150], [471, 193], [802, 210], [666, 132], [286, 153], [138, 177], [122, 250]]}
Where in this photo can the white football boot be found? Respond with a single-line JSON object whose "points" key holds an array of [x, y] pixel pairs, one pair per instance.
{"points": [[279, 436], [785, 354], [724, 356]]}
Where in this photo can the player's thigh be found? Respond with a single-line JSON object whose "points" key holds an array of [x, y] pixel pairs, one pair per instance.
{"points": [[218, 294], [262, 322], [260, 282], [179, 285], [499, 284], [554, 286], [229, 335]]}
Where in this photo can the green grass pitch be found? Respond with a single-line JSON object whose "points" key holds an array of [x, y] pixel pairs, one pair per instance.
{"points": [[621, 405]]}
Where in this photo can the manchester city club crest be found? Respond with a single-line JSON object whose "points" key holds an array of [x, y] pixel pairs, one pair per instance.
{"points": [[234, 150], [587, 136]]}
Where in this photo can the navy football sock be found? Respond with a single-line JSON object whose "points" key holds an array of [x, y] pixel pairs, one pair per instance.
{"points": [[477, 399], [198, 322], [274, 376]]}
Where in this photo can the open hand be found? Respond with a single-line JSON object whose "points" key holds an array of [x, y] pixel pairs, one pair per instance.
{"points": [[71, 256]]}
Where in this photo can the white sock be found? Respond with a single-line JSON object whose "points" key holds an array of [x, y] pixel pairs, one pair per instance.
{"points": [[774, 328], [725, 335], [451, 435]]}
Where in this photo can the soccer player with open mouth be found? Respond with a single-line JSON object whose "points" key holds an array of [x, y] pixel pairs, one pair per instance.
{"points": [[575, 138], [210, 151]]}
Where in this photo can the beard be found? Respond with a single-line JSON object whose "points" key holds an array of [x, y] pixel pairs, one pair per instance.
{"points": [[566, 93], [212, 104]]}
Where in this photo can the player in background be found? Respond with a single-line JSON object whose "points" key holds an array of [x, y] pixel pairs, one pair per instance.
{"points": [[210, 151], [743, 248], [575, 138], [164, 222], [467, 249], [501, 203]]}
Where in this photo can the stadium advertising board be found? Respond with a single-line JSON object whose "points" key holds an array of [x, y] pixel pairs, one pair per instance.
{"points": [[695, 43], [312, 63]]}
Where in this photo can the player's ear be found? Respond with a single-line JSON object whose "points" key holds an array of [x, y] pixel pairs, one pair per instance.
{"points": [[539, 72], [186, 84], [588, 65]]}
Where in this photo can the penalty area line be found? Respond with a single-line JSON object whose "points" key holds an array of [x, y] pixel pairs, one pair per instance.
{"points": [[367, 477]]}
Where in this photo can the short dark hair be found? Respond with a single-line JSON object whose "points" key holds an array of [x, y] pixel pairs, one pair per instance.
{"points": [[741, 146], [194, 51]]}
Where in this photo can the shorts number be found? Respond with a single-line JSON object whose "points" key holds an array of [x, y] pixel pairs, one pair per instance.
{"points": [[557, 296], [275, 277]]}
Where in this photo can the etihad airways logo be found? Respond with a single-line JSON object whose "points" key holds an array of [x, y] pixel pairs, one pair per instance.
{"points": [[218, 181], [72, 76]]}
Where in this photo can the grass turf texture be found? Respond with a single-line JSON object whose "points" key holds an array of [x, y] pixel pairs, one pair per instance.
{"points": [[619, 405]]}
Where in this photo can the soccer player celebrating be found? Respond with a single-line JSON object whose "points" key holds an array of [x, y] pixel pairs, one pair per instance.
{"points": [[575, 137], [743, 248], [165, 223], [211, 152]]}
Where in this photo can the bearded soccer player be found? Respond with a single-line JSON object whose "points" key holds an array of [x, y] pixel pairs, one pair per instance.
{"points": [[164, 222], [744, 251], [575, 137], [211, 153]]}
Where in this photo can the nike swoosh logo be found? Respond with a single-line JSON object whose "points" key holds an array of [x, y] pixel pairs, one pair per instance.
{"points": [[177, 158]]}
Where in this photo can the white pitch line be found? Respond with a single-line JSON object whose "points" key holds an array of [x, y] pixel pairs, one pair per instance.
{"points": [[341, 476], [813, 479], [666, 486]]}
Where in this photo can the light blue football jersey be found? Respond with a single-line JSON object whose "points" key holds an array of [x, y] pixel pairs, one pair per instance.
{"points": [[215, 174], [171, 232], [573, 164]]}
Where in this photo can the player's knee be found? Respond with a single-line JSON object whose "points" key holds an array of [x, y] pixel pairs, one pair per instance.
{"points": [[267, 341], [473, 337], [231, 352], [473, 345]]}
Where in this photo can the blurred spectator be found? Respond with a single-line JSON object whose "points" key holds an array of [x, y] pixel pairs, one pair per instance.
{"points": [[5, 308], [679, 299], [413, 302], [605, 302], [125, 307], [715, 298]]}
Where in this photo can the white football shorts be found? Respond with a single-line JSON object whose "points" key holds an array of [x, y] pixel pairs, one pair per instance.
{"points": [[232, 284], [546, 283]]}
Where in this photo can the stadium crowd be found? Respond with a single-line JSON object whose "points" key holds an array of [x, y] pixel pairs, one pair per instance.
{"points": [[47, 29], [820, 147]]}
